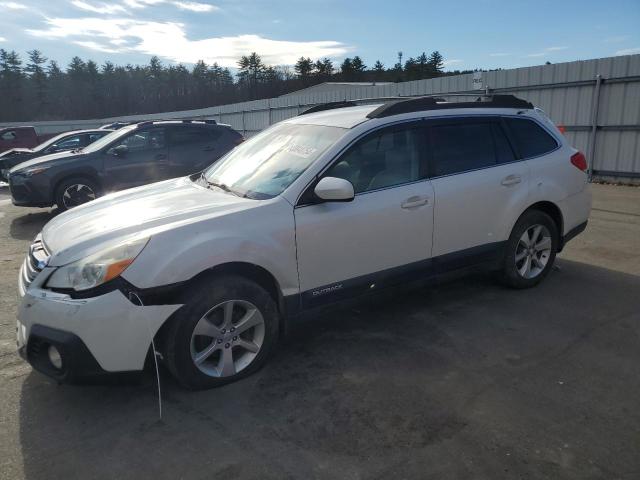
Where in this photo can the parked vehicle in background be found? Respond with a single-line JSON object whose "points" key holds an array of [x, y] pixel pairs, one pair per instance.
{"points": [[60, 143], [20, 137], [141, 153], [316, 209]]}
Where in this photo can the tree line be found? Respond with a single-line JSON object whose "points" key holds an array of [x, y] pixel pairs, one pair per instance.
{"points": [[39, 89]]}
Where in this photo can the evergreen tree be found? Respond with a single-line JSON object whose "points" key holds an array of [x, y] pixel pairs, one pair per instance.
{"points": [[303, 68], [436, 63]]}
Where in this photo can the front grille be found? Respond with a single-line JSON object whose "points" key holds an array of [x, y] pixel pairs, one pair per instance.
{"points": [[34, 263]]}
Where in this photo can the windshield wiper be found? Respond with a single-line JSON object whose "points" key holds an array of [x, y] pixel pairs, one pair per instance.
{"points": [[221, 186]]}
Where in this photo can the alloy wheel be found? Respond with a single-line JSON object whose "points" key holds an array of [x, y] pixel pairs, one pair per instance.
{"points": [[227, 338], [77, 194], [533, 251]]}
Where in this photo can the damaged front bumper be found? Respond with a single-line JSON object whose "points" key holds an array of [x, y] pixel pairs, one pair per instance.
{"points": [[102, 334]]}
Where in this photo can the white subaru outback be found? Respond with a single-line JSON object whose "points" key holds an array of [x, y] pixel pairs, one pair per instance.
{"points": [[332, 204]]}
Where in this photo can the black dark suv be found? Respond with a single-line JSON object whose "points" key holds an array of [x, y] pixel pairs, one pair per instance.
{"points": [[134, 155]]}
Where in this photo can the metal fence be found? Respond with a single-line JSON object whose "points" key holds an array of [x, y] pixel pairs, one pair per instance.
{"points": [[596, 101]]}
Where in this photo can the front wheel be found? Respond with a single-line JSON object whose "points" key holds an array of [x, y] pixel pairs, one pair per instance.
{"points": [[531, 250], [75, 191], [225, 331]]}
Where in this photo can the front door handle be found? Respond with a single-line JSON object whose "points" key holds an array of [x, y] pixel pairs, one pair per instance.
{"points": [[415, 201], [511, 180], [160, 156]]}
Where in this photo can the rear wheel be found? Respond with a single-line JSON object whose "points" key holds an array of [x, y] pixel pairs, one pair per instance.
{"points": [[75, 191], [225, 331], [531, 250]]}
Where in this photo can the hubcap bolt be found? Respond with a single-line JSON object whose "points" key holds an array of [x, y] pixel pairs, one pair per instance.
{"points": [[224, 330], [227, 345], [235, 338], [233, 329], [219, 341]]}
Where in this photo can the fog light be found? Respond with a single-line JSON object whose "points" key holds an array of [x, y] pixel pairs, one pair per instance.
{"points": [[54, 357]]}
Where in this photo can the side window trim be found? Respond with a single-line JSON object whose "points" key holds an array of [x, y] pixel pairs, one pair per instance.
{"points": [[414, 123]]}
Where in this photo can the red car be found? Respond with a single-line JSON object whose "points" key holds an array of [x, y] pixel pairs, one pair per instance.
{"points": [[20, 137]]}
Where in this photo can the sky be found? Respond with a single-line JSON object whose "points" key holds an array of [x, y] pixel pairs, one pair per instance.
{"points": [[469, 34]]}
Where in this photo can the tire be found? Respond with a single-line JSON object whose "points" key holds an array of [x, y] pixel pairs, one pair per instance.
{"points": [[203, 361], [531, 250], [75, 191]]}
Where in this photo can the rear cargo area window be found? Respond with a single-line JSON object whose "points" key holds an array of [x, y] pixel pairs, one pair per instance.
{"points": [[531, 139]]}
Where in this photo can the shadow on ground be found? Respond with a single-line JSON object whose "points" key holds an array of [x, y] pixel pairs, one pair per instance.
{"points": [[463, 379], [28, 226]]}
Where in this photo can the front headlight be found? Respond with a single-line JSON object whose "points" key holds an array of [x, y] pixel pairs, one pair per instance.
{"points": [[29, 172], [98, 268]]}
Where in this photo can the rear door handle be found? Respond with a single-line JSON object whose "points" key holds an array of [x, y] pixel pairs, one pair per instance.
{"points": [[415, 201], [511, 180], [160, 156]]}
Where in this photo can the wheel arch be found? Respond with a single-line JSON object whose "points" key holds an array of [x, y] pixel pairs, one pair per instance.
{"points": [[93, 177], [247, 270], [554, 212]]}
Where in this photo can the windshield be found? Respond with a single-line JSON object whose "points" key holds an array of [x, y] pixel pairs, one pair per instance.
{"points": [[51, 141], [107, 139], [266, 164]]}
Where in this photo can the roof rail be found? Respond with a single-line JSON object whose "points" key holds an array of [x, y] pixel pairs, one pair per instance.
{"points": [[328, 106], [435, 103]]}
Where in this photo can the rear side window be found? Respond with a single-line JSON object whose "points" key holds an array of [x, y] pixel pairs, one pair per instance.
{"points": [[461, 147], [10, 135], [531, 139], [191, 135]]}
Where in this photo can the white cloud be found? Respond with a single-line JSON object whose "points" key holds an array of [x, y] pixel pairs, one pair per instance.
{"points": [[101, 7], [499, 54], [555, 49], [628, 51], [142, 3], [453, 61], [169, 40], [196, 6], [95, 46], [181, 4], [13, 5], [539, 54], [2, 39]]}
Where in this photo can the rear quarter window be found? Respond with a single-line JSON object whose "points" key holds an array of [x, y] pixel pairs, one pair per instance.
{"points": [[190, 135], [530, 138]]}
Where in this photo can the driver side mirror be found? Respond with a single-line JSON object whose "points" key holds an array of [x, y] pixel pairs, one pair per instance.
{"points": [[119, 151], [334, 189]]}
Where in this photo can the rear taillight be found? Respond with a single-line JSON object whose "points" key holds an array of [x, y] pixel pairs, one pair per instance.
{"points": [[579, 161]]}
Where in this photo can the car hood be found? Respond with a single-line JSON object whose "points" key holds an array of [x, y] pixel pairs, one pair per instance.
{"points": [[46, 159], [134, 213], [13, 151]]}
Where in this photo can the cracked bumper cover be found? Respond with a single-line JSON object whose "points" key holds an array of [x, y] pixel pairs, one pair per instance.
{"points": [[114, 331]]}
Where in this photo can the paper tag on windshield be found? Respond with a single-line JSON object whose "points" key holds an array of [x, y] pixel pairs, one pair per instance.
{"points": [[300, 150]]}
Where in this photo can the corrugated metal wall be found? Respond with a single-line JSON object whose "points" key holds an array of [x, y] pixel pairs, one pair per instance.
{"points": [[597, 101]]}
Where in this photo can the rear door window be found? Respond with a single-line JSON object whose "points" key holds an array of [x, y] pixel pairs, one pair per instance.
{"points": [[9, 135], [192, 135], [530, 138], [460, 147]]}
